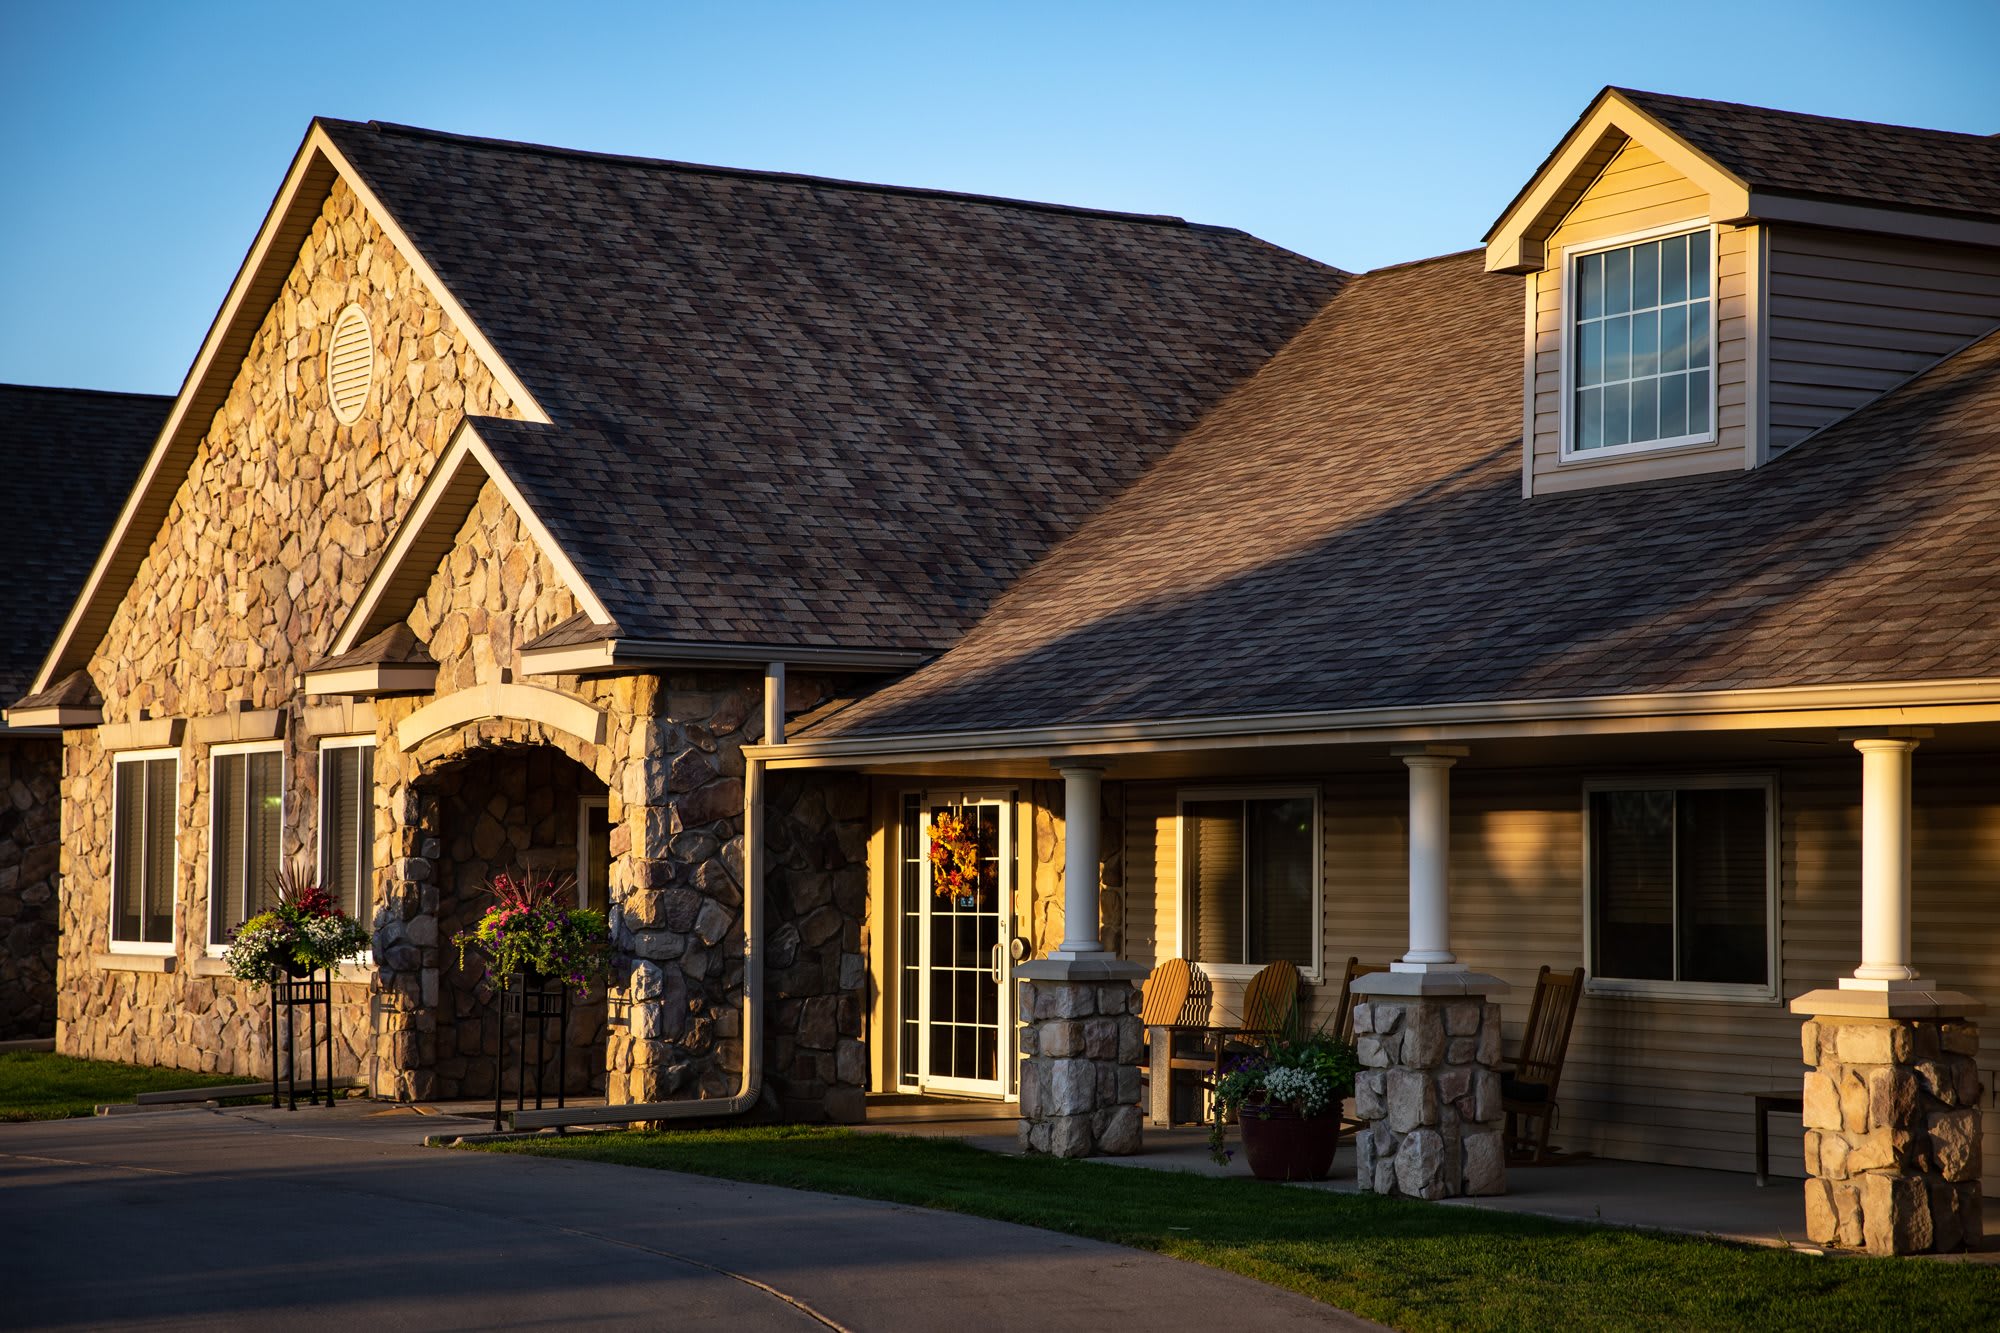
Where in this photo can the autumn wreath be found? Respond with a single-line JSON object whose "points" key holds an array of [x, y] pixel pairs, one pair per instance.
{"points": [[954, 857]]}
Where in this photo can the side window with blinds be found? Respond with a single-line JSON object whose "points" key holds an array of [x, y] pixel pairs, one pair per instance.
{"points": [[593, 852], [1251, 874], [347, 825], [1682, 886], [246, 825], [145, 809]]}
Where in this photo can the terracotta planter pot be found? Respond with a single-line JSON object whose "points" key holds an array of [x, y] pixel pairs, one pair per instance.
{"points": [[1281, 1144]]}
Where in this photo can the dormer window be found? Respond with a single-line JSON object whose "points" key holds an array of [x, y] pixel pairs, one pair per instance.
{"points": [[1640, 344]]}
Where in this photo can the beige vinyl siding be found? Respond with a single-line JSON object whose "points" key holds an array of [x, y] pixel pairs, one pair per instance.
{"points": [[1637, 192], [1852, 316], [1660, 1080]]}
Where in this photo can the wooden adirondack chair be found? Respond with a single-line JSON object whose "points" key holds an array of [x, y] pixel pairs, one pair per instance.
{"points": [[1528, 1093], [1174, 1001], [1269, 1002], [1343, 1017]]}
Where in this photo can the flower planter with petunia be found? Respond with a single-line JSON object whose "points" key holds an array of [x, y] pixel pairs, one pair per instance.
{"points": [[533, 932], [1286, 1097]]}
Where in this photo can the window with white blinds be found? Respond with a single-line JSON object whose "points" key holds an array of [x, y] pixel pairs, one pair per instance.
{"points": [[1251, 874], [1683, 884], [347, 825], [145, 809], [246, 822], [593, 852]]}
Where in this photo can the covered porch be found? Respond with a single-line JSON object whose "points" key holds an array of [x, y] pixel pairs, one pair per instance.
{"points": [[1479, 853]]}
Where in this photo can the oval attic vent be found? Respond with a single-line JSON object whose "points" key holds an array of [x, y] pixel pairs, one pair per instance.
{"points": [[350, 364]]}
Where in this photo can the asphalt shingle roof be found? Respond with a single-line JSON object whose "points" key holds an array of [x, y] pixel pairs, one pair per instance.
{"points": [[1347, 531], [797, 411], [71, 456], [1896, 165]]}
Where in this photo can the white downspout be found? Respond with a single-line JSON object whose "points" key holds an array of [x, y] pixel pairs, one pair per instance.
{"points": [[751, 1086]]}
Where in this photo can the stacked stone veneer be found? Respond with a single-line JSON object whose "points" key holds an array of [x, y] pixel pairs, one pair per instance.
{"points": [[266, 545], [30, 853], [1430, 1092], [1082, 1044], [815, 962], [1892, 1134]]}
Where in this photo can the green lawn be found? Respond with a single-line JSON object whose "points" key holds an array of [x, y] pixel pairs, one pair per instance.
{"points": [[40, 1085], [1412, 1265]]}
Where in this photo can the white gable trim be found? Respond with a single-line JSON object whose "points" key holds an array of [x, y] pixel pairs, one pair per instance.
{"points": [[425, 538], [313, 171]]}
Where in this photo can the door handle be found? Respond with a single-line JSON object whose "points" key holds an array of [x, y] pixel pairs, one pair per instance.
{"points": [[996, 962]]}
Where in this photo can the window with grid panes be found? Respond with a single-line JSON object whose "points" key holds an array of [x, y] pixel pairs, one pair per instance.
{"points": [[1641, 371]]}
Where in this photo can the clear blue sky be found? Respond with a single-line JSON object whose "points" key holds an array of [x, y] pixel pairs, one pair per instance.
{"points": [[140, 144]]}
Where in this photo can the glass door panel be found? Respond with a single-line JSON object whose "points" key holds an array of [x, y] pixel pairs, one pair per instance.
{"points": [[957, 977]]}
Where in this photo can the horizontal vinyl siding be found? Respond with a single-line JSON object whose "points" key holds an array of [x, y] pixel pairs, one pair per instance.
{"points": [[1637, 192], [1149, 876], [1656, 1080], [1852, 316]]}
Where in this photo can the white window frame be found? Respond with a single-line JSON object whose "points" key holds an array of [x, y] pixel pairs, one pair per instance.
{"points": [[171, 946], [1647, 988], [326, 743], [1182, 930], [1569, 454], [216, 754], [584, 805]]}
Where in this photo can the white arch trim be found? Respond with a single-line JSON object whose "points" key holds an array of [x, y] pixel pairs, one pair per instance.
{"points": [[513, 703]]}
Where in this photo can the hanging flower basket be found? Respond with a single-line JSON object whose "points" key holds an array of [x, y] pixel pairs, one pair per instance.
{"points": [[305, 933], [954, 858], [531, 931]]}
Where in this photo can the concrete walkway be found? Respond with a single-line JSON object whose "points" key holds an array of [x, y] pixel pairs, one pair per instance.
{"points": [[238, 1218]]}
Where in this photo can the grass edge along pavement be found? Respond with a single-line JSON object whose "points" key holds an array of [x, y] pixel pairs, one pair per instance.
{"points": [[1408, 1264], [41, 1085]]}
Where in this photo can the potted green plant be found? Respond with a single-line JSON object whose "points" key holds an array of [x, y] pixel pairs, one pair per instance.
{"points": [[305, 932], [534, 931], [1286, 1095]]}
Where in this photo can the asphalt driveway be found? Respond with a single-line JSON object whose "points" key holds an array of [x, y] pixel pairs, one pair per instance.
{"points": [[249, 1219]]}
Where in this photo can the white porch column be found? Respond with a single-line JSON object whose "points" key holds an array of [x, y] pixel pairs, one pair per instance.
{"points": [[1885, 866], [1082, 817], [1430, 863]]}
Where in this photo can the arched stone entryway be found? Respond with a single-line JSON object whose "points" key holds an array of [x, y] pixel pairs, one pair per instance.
{"points": [[493, 798]]}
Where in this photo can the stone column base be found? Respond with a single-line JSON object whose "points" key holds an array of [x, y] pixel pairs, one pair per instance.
{"points": [[1429, 1090], [1892, 1108], [1082, 1043]]}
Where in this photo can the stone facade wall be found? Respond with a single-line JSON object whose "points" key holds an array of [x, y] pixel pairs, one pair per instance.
{"points": [[30, 855], [278, 522], [1892, 1134], [1430, 1090], [1081, 1045], [816, 973]]}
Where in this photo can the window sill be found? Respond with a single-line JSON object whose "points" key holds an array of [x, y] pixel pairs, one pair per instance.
{"points": [[1625, 453], [1244, 972], [132, 962], [1605, 988], [350, 973]]}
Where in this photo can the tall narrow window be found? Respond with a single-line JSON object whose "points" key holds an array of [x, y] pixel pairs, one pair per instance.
{"points": [[145, 801], [1250, 867], [1682, 890], [593, 852], [1639, 345], [247, 809], [347, 823]]}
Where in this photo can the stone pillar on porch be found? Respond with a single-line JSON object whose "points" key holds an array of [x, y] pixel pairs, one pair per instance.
{"points": [[1426, 1033], [1892, 1118], [1081, 1038]]}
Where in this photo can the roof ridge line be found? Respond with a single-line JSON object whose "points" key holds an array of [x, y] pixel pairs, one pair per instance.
{"points": [[1973, 135], [102, 393], [785, 177]]}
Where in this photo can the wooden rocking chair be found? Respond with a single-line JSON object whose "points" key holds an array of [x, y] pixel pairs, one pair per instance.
{"points": [[1528, 1093], [1174, 1000]]}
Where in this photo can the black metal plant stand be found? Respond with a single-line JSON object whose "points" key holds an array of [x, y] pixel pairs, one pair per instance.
{"points": [[313, 993], [541, 1006]]}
